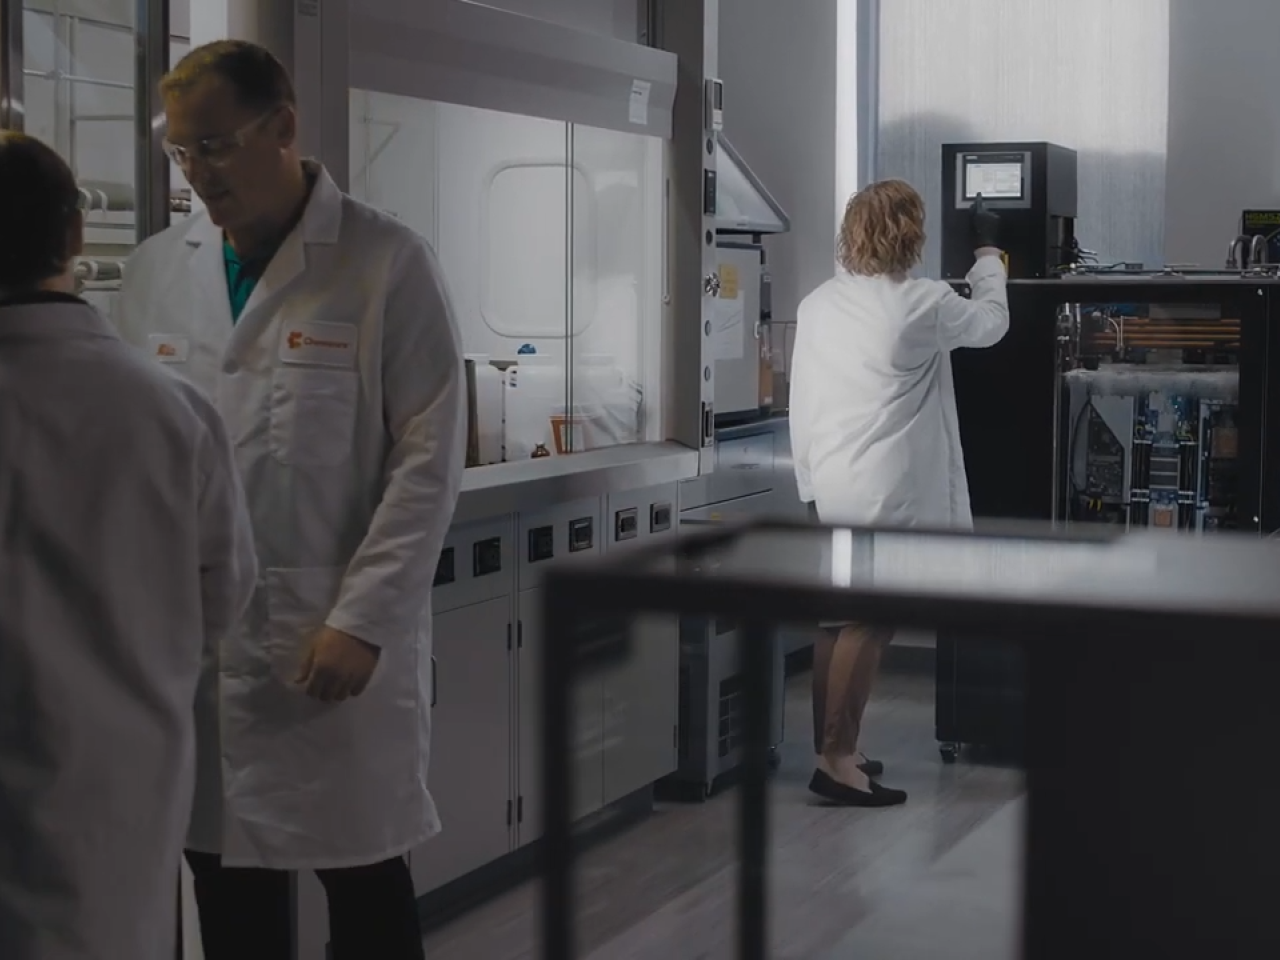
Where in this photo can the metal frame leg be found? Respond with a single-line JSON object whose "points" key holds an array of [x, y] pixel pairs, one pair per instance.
{"points": [[559, 668], [179, 927], [753, 811]]}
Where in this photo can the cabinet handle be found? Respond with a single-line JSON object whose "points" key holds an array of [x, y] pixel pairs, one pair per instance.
{"points": [[666, 240], [433, 682]]}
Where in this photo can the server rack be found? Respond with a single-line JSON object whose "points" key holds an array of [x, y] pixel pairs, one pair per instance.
{"points": [[1121, 401]]}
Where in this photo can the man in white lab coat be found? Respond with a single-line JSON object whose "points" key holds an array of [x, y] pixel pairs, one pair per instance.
{"points": [[125, 557], [874, 431], [324, 333]]}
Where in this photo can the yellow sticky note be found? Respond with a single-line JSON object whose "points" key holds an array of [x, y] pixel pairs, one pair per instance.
{"points": [[728, 281]]}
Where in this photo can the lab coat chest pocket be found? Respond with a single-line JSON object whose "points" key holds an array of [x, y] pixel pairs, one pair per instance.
{"points": [[313, 415]]}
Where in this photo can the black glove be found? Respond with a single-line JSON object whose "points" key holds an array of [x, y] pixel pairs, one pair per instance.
{"points": [[984, 225]]}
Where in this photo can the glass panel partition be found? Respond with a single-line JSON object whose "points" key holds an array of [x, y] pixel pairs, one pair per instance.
{"points": [[80, 63], [549, 235], [78, 81]]}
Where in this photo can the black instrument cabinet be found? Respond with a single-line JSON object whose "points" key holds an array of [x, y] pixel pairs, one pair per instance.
{"points": [[1012, 404]]}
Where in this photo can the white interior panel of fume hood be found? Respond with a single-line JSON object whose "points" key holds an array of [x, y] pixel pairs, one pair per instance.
{"points": [[549, 237], [524, 239], [501, 226]]}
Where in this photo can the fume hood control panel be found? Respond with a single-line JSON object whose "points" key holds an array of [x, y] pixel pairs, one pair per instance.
{"points": [[715, 105]]}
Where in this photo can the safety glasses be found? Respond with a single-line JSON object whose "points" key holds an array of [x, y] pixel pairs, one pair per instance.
{"points": [[215, 151]]}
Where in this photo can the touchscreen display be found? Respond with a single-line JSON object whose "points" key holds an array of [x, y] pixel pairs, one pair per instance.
{"points": [[994, 180]]}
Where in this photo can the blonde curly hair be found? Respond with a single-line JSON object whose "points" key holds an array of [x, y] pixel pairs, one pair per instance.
{"points": [[883, 230]]}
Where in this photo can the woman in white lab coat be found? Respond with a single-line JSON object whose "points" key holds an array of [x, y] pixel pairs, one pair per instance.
{"points": [[125, 554], [874, 430]]}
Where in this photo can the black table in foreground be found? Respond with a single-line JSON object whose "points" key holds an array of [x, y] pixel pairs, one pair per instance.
{"points": [[1152, 827]]}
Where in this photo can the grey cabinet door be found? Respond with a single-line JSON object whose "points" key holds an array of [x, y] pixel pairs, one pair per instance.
{"points": [[470, 772], [641, 709], [642, 693], [588, 714]]}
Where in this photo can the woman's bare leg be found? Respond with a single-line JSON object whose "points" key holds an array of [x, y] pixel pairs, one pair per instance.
{"points": [[851, 671], [823, 648]]}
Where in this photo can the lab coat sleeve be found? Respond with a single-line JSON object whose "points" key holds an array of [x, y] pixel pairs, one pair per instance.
{"points": [[388, 582], [800, 415], [228, 563], [982, 320]]}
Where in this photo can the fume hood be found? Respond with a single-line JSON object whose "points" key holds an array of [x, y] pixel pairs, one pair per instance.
{"points": [[742, 340]]}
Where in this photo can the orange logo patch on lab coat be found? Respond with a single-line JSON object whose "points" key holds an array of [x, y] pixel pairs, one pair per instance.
{"points": [[319, 343], [297, 340]]}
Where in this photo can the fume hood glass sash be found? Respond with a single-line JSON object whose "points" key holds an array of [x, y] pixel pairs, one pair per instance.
{"points": [[449, 51], [613, 332], [743, 203], [551, 237]]}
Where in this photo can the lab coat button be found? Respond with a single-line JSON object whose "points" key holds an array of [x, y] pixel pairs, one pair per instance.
{"points": [[230, 366]]}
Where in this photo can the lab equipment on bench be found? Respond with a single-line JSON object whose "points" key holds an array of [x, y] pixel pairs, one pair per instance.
{"points": [[1031, 186], [487, 416], [1124, 400], [1258, 244]]}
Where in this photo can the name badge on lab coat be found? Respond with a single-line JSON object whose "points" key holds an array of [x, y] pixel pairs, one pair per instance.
{"points": [[169, 349], [324, 344]]}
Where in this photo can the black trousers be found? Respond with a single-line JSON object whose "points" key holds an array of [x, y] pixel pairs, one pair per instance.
{"points": [[245, 913]]}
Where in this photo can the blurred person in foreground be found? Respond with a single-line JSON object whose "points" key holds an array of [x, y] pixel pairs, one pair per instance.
{"points": [[874, 430], [125, 557]]}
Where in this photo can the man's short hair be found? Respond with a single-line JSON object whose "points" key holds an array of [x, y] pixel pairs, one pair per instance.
{"points": [[883, 230], [258, 78]]}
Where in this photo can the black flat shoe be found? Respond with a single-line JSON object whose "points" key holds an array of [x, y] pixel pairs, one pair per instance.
{"points": [[844, 795], [872, 768]]}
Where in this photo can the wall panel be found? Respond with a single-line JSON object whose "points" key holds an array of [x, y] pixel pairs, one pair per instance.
{"points": [[1092, 75]]}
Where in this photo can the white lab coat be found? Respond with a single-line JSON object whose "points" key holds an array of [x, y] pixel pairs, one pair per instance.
{"points": [[125, 555], [874, 431], [342, 387]]}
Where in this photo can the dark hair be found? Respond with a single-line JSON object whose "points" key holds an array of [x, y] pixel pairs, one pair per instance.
{"points": [[39, 204], [259, 79]]}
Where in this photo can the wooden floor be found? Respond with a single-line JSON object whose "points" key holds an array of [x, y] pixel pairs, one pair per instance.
{"points": [[936, 878]]}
